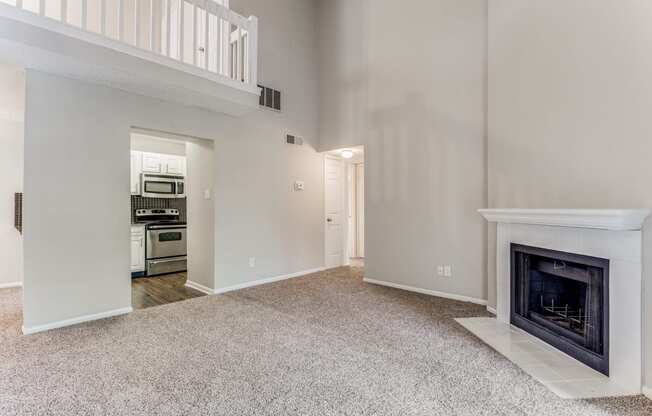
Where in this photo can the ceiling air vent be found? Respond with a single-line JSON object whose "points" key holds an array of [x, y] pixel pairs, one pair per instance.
{"points": [[290, 139], [269, 98]]}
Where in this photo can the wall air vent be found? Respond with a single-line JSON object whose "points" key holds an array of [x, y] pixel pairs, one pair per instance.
{"points": [[296, 140], [269, 98]]}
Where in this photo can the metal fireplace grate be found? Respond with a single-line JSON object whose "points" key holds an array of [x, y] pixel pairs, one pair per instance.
{"points": [[576, 320]]}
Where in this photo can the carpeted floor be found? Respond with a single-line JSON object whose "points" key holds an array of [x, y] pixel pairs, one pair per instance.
{"points": [[325, 344], [11, 315]]}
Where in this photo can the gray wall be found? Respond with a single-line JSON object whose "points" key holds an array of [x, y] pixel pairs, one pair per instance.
{"points": [[146, 143], [200, 160], [12, 97], [410, 86], [78, 134], [569, 102]]}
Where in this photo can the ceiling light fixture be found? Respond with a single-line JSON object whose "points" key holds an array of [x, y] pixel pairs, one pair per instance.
{"points": [[347, 153]]}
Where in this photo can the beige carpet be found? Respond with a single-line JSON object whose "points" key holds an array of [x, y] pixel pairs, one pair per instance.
{"points": [[11, 316], [326, 344]]}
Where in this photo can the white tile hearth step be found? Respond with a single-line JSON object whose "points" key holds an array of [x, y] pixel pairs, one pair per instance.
{"points": [[560, 373]]}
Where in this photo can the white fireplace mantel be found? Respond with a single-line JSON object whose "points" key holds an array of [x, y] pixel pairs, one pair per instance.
{"points": [[607, 219], [612, 234]]}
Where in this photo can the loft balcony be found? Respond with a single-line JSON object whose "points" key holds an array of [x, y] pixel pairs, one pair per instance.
{"points": [[193, 52]]}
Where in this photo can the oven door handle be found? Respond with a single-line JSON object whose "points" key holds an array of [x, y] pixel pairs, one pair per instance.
{"points": [[167, 227], [167, 260]]}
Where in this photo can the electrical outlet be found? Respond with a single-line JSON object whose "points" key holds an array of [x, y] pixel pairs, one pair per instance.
{"points": [[299, 185], [252, 262], [448, 271], [440, 270]]}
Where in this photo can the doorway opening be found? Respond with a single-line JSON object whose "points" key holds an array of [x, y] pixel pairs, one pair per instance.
{"points": [[12, 121], [344, 207], [172, 218]]}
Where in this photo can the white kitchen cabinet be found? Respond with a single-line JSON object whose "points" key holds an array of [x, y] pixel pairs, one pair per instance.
{"points": [[137, 248], [136, 170], [152, 163], [164, 164], [174, 165]]}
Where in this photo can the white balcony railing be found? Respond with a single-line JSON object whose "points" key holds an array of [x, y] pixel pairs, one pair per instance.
{"points": [[200, 33]]}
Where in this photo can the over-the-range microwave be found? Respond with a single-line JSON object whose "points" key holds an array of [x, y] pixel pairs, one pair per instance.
{"points": [[162, 186]]}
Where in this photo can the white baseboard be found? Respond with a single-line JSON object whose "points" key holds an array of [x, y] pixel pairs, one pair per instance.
{"points": [[491, 310], [201, 288], [427, 291], [10, 285], [647, 391], [74, 321], [267, 280]]}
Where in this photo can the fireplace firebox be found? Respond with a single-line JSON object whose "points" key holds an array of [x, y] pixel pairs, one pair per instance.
{"points": [[563, 299]]}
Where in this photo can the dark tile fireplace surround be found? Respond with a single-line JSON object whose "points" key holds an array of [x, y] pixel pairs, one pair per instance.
{"points": [[563, 299]]}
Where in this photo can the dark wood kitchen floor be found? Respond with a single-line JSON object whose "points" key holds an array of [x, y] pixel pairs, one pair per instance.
{"points": [[159, 290]]}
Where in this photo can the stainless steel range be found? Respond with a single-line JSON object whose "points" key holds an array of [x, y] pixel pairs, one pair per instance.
{"points": [[165, 241]]}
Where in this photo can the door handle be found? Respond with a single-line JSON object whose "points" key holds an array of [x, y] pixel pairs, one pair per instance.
{"points": [[329, 220]]}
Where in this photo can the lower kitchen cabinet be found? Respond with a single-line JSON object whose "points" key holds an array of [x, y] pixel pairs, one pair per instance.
{"points": [[137, 248]]}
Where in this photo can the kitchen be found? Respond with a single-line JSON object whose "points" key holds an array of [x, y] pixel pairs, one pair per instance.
{"points": [[160, 202]]}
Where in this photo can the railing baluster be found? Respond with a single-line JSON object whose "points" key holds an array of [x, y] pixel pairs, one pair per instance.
{"points": [[151, 25], [206, 43], [168, 20], [218, 45], [103, 17], [19, 4], [240, 54], [121, 22], [136, 23], [64, 11], [84, 15], [181, 28], [252, 49], [194, 32], [41, 7]]}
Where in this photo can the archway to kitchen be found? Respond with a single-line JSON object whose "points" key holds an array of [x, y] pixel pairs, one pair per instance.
{"points": [[172, 218]]}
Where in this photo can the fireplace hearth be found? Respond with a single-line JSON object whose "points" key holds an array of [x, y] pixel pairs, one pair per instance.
{"points": [[563, 299]]}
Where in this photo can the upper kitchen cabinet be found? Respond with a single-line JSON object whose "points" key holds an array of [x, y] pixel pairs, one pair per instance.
{"points": [[163, 164], [175, 165], [136, 169], [152, 163]]}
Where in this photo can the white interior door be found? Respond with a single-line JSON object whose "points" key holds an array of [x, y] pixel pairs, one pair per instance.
{"points": [[351, 241], [359, 209], [334, 186]]}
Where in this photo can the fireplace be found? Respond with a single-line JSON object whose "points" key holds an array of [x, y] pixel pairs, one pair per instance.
{"points": [[563, 299]]}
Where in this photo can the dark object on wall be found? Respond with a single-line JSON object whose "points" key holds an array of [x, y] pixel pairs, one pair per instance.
{"points": [[18, 211], [270, 98]]}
